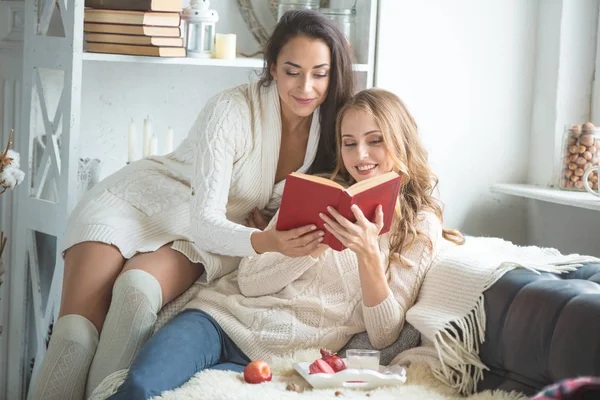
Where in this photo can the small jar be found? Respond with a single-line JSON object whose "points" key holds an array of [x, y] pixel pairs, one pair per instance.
{"points": [[344, 19], [287, 5], [580, 152]]}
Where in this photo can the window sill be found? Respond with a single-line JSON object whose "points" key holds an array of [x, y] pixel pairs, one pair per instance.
{"points": [[550, 195]]}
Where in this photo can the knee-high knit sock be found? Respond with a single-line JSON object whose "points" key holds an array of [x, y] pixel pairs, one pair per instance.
{"points": [[136, 299], [63, 373]]}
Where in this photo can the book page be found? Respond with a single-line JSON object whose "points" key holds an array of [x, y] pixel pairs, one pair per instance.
{"points": [[317, 179], [371, 182]]}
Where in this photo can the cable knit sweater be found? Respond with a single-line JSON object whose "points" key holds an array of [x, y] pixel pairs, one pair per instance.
{"points": [[199, 195], [274, 304]]}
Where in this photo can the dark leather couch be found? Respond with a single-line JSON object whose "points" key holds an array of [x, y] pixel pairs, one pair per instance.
{"points": [[541, 329]]}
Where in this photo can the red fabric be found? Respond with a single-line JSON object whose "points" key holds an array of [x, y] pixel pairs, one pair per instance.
{"points": [[583, 388]]}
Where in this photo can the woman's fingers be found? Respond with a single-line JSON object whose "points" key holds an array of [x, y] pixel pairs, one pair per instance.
{"points": [[379, 218], [307, 248], [332, 226], [358, 214], [308, 238], [299, 241], [340, 219], [338, 234], [303, 245], [298, 232]]}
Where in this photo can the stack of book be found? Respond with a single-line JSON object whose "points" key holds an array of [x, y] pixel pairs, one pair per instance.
{"points": [[134, 27]]}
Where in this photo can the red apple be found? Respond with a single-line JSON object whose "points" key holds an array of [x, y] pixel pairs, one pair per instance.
{"points": [[257, 372]]}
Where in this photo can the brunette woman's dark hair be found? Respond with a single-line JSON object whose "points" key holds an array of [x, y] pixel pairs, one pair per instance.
{"points": [[341, 78]]}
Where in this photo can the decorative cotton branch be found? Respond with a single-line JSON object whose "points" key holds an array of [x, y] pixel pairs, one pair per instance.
{"points": [[10, 176], [10, 162], [3, 240]]}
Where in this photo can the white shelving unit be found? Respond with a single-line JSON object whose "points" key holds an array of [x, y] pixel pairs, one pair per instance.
{"points": [[549, 195], [239, 62], [50, 151]]}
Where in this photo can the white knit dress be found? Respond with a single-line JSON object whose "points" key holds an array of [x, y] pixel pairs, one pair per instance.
{"points": [[199, 195]]}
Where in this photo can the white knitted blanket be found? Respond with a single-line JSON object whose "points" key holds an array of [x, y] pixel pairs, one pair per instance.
{"points": [[451, 303]]}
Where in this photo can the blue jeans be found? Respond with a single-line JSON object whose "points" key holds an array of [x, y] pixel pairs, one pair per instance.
{"points": [[189, 343]]}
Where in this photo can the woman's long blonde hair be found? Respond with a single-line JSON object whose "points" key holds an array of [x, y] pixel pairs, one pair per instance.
{"points": [[402, 142]]}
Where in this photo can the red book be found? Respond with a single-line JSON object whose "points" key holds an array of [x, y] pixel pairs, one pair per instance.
{"points": [[305, 196]]}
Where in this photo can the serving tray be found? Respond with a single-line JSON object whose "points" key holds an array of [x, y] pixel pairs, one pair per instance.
{"points": [[353, 378]]}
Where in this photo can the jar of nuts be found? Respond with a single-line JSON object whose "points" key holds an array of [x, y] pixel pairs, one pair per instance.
{"points": [[581, 151]]}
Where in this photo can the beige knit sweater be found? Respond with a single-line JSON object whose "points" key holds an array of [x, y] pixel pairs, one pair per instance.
{"points": [[274, 304]]}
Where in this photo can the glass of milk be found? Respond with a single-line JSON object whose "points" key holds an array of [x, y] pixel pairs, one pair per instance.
{"points": [[362, 359]]}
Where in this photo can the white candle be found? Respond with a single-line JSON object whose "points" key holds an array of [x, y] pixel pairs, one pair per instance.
{"points": [[225, 46], [169, 141], [153, 146], [147, 136], [131, 143]]}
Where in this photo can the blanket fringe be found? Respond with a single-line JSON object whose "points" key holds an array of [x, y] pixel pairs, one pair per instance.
{"points": [[457, 346], [459, 341]]}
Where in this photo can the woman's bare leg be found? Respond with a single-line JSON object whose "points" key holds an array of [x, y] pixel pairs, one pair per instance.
{"points": [[148, 281], [90, 272], [91, 269], [174, 271]]}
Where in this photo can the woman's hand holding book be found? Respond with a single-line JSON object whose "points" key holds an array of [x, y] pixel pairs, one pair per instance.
{"points": [[360, 236], [297, 242]]}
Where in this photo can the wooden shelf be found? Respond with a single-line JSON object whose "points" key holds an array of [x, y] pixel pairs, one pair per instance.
{"points": [[240, 62], [550, 195]]}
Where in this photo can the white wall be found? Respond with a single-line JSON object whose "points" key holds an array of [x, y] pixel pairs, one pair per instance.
{"points": [[113, 93], [569, 229], [465, 68], [566, 53]]}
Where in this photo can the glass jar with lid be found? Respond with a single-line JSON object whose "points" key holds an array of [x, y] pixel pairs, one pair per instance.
{"points": [[344, 18], [580, 152], [287, 5]]}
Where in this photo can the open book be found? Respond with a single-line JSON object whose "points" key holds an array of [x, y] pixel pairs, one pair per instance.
{"points": [[305, 196]]}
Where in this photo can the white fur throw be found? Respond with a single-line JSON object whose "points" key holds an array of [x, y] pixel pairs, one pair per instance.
{"points": [[224, 385], [450, 303]]}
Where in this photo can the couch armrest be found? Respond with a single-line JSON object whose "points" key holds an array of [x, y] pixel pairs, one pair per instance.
{"points": [[541, 329]]}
